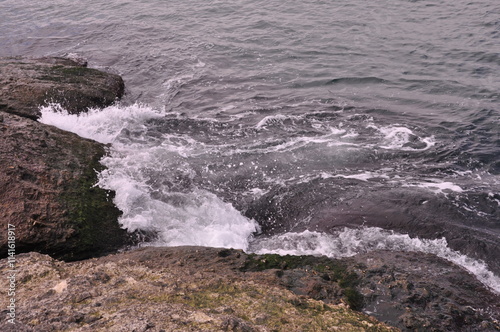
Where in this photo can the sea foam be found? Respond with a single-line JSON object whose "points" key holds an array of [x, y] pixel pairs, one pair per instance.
{"points": [[349, 242], [134, 171]]}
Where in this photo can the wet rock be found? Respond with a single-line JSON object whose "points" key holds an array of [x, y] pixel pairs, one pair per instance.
{"points": [[26, 84], [416, 291], [48, 197], [351, 203], [47, 192], [147, 289]]}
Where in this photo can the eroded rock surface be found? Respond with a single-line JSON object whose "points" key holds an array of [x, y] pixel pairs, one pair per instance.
{"points": [[166, 289], [422, 292]]}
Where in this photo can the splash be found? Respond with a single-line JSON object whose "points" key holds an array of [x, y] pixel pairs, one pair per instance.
{"points": [[350, 242], [142, 169], [104, 126], [397, 137]]}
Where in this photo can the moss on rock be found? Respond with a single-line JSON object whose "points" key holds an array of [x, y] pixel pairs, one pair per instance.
{"points": [[91, 213], [330, 270]]}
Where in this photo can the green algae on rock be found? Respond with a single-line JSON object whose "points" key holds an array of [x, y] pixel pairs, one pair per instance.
{"points": [[331, 270], [48, 192]]}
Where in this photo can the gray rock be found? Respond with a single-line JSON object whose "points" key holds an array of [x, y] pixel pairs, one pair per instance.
{"points": [[421, 292]]}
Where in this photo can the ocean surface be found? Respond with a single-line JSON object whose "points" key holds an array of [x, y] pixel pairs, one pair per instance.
{"points": [[303, 127]]}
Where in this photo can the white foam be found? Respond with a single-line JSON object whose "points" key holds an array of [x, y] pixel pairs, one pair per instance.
{"points": [[492, 197], [399, 138], [136, 168], [280, 146], [273, 120], [365, 176], [101, 125], [438, 187], [349, 242]]}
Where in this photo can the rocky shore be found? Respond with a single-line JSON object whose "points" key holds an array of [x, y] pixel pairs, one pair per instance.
{"points": [[66, 274], [210, 289]]}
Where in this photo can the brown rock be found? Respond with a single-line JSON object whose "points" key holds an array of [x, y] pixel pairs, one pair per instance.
{"points": [[26, 84], [47, 175], [47, 192], [147, 291]]}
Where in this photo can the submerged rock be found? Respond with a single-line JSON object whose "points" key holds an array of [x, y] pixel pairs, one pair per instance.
{"points": [[351, 203], [48, 195], [26, 84]]}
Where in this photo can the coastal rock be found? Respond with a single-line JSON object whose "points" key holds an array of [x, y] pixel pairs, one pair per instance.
{"points": [[47, 192], [26, 84], [422, 292], [351, 203], [211, 289], [166, 289], [48, 196]]}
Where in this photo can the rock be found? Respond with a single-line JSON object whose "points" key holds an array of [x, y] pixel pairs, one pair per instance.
{"points": [[48, 176], [162, 296], [350, 203], [47, 192], [146, 289], [26, 84], [422, 292]]}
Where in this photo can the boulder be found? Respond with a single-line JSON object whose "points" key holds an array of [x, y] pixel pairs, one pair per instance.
{"points": [[48, 196], [48, 193], [26, 84]]}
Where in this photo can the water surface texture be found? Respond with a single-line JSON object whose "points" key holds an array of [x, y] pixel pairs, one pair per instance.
{"points": [[318, 127]]}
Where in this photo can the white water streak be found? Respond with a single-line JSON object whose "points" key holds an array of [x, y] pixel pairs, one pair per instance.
{"points": [[350, 242]]}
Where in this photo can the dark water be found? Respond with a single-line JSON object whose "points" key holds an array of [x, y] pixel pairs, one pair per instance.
{"points": [[323, 127]]}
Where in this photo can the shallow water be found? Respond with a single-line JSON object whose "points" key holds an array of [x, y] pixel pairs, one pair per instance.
{"points": [[300, 126]]}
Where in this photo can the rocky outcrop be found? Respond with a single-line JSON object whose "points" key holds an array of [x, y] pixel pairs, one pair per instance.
{"points": [[410, 290], [209, 289], [26, 84], [166, 289], [350, 203], [48, 176]]}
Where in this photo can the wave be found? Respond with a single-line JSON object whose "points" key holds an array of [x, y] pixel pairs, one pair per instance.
{"points": [[349, 242]]}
